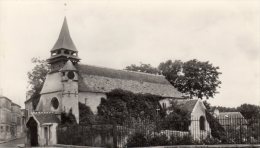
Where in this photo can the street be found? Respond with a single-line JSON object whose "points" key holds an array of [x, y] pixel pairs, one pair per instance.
{"points": [[13, 143]]}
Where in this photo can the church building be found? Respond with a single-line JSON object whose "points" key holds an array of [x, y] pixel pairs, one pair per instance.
{"points": [[70, 82]]}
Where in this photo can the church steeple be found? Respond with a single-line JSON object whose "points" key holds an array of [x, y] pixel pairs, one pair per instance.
{"points": [[64, 41], [63, 50]]}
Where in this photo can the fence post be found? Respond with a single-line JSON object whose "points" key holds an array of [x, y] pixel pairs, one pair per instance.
{"points": [[241, 140], [114, 135]]}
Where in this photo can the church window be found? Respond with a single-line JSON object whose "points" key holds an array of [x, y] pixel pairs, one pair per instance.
{"points": [[66, 52], [55, 103], [53, 54], [164, 105], [71, 75], [202, 123]]}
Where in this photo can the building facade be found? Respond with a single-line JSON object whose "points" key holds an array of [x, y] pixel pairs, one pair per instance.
{"points": [[70, 82], [11, 119]]}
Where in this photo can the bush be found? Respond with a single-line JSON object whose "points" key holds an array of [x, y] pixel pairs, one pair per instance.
{"points": [[211, 140], [184, 140], [138, 139], [158, 140]]}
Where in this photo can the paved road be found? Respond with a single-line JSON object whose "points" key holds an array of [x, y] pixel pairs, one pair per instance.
{"points": [[13, 143]]}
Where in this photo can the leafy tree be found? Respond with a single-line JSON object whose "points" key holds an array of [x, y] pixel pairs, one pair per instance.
{"points": [[146, 68], [194, 78], [226, 109], [122, 105], [36, 79], [217, 130], [86, 116], [207, 105], [249, 111], [177, 119], [68, 118]]}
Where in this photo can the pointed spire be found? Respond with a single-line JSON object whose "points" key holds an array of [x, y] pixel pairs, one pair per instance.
{"points": [[64, 41]]}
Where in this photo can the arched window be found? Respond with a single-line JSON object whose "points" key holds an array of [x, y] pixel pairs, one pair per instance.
{"points": [[202, 123]]}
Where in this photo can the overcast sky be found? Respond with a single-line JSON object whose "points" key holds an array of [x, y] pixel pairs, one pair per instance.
{"points": [[119, 33]]}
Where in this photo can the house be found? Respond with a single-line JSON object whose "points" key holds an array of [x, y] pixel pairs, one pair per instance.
{"points": [[199, 127], [230, 120], [70, 82], [10, 119]]}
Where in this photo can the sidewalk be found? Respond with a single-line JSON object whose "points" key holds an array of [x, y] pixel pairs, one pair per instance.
{"points": [[5, 141]]}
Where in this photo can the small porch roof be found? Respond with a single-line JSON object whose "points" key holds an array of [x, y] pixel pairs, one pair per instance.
{"points": [[43, 118]]}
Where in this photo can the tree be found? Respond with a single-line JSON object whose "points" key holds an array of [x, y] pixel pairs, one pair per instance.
{"points": [[36, 79], [226, 109], [121, 105], [68, 118], [146, 68], [177, 119], [86, 116], [194, 78], [249, 111]]}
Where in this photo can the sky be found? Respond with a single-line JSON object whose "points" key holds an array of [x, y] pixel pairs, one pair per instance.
{"points": [[115, 34]]}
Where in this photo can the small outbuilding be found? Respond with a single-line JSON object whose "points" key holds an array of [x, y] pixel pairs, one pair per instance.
{"points": [[41, 128], [199, 126]]}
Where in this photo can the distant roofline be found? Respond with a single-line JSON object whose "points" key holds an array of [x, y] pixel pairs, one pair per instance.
{"points": [[12, 103], [123, 70], [4, 97], [228, 112]]}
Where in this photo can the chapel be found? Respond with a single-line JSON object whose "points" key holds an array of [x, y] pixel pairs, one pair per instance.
{"points": [[70, 82]]}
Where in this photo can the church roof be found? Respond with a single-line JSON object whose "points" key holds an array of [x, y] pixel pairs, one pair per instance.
{"points": [[187, 104], [45, 117], [64, 41], [68, 67], [99, 79]]}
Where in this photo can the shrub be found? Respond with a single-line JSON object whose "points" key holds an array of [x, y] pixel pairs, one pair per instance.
{"points": [[138, 139], [158, 140], [217, 130], [211, 140], [181, 140]]}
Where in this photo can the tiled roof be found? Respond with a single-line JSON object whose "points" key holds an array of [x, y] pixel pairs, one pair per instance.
{"points": [[45, 117], [187, 104], [99, 79], [231, 118], [64, 41]]}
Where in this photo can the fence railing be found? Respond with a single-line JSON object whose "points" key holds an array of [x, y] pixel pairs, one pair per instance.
{"points": [[152, 133]]}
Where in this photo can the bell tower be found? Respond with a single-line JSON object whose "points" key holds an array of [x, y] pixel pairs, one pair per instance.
{"points": [[63, 50]]}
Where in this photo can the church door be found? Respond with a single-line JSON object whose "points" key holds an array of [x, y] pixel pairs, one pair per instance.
{"points": [[46, 135], [32, 131]]}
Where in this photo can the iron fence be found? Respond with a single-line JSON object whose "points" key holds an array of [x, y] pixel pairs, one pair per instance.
{"points": [[161, 132]]}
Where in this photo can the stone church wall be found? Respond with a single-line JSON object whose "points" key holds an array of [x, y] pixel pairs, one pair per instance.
{"points": [[45, 102], [91, 99]]}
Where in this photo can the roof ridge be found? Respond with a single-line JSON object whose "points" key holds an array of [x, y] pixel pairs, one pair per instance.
{"points": [[124, 70], [38, 112]]}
